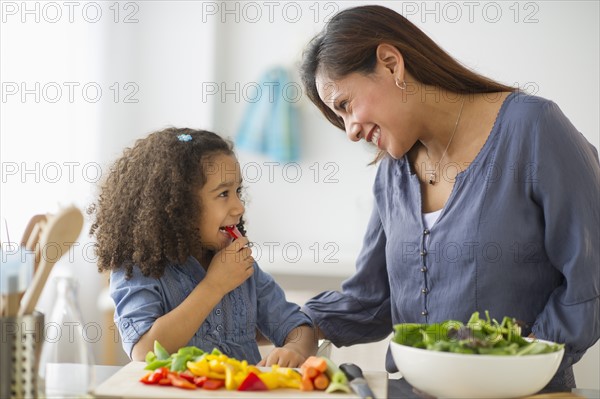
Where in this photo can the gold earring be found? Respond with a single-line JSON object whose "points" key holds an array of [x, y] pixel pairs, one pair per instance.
{"points": [[402, 85]]}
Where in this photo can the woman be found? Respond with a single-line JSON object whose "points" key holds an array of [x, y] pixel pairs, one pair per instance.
{"points": [[472, 210]]}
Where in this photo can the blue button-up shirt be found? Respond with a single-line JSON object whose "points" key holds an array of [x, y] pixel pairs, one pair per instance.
{"points": [[518, 236], [259, 303]]}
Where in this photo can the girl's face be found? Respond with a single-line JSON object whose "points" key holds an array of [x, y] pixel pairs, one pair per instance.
{"points": [[220, 200], [373, 109]]}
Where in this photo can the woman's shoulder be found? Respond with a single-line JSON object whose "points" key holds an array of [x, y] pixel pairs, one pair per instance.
{"points": [[527, 117], [521, 106], [538, 122], [526, 108], [390, 168]]}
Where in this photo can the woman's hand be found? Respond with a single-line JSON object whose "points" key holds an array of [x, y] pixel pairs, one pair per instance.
{"points": [[230, 267], [284, 357]]}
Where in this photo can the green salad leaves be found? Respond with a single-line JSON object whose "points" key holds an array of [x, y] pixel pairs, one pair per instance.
{"points": [[478, 336]]}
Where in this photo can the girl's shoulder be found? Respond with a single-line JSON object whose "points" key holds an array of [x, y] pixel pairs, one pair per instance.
{"points": [[119, 277], [171, 271]]}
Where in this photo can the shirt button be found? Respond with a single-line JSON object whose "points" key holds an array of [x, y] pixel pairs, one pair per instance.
{"points": [[424, 269], [426, 231], [424, 313], [219, 328], [425, 291], [126, 324], [218, 312], [424, 252]]}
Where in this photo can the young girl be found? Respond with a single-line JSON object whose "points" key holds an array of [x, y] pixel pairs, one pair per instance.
{"points": [[177, 276]]}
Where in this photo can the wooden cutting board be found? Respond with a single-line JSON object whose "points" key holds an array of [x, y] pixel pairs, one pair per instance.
{"points": [[125, 384]]}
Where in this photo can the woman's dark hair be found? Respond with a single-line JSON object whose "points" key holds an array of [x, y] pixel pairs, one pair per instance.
{"points": [[148, 210], [348, 44]]}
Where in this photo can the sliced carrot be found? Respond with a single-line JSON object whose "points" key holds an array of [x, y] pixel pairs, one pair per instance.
{"points": [[306, 384], [321, 382], [317, 362], [311, 372]]}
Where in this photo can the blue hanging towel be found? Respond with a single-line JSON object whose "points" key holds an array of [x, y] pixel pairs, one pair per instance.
{"points": [[270, 122]]}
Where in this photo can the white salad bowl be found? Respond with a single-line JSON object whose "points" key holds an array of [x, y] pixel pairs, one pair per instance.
{"points": [[456, 375]]}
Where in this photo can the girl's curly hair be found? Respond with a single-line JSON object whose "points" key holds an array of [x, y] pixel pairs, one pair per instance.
{"points": [[148, 210]]}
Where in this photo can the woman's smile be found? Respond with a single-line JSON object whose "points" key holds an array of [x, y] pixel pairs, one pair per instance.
{"points": [[374, 136]]}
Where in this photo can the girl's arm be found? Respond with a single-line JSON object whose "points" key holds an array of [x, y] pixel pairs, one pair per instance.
{"points": [[300, 343], [176, 328], [229, 268]]}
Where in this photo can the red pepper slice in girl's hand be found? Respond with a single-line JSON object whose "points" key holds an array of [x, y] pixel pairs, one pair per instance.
{"points": [[252, 383], [233, 232]]}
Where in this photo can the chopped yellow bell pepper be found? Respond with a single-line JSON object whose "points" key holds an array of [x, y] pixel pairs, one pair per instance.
{"points": [[234, 372], [202, 368], [216, 365], [199, 368], [230, 382]]}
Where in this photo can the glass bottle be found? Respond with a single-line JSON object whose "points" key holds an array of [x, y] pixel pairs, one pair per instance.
{"points": [[66, 364]]}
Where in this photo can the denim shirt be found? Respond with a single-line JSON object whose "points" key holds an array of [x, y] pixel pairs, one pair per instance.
{"points": [[259, 303], [518, 236]]}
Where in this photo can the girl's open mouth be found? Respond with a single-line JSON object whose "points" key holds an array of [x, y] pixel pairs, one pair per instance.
{"points": [[231, 230]]}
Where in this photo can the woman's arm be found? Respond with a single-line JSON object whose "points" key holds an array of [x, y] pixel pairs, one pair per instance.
{"points": [[566, 184], [361, 312], [282, 322]]}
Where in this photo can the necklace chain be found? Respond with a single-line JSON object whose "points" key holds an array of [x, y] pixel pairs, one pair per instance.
{"points": [[432, 175]]}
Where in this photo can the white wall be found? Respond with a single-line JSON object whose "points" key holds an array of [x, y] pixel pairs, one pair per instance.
{"points": [[175, 49]]}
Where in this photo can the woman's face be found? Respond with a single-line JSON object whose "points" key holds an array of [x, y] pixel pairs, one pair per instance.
{"points": [[373, 108], [220, 200]]}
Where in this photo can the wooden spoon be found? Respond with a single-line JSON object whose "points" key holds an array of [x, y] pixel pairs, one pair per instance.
{"points": [[61, 231]]}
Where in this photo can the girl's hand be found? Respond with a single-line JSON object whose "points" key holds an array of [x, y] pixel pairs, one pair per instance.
{"points": [[231, 266], [284, 357], [300, 343]]}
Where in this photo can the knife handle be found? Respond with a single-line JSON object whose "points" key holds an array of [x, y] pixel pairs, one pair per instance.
{"points": [[352, 371]]}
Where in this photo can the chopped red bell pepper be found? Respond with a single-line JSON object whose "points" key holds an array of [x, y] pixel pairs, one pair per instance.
{"points": [[187, 375], [155, 376], [165, 381], [200, 380], [252, 383], [213, 384], [146, 379], [179, 382], [159, 374]]}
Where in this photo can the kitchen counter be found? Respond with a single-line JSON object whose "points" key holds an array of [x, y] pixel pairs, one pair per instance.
{"points": [[397, 388]]}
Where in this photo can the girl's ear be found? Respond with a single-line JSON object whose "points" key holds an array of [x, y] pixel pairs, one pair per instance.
{"points": [[390, 59]]}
